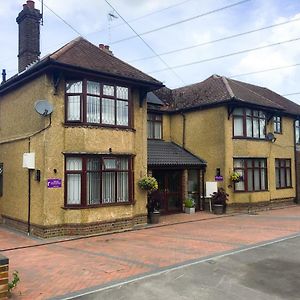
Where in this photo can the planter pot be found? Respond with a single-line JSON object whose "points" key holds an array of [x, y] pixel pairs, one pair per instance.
{"points": [[218, 209], [189, 210], [154, 217]]}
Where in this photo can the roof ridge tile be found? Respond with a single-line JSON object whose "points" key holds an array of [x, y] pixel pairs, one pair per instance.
{"points": [[228, 86], [56, 54]]}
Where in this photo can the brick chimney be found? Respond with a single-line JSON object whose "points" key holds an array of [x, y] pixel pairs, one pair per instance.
{"points": [[29, 35], [105, 48]]}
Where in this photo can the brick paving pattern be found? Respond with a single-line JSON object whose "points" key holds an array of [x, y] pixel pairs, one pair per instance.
{"points": [[63, 267]]}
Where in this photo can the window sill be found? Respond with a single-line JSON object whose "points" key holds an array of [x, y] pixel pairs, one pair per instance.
{"points": [[85, 125], [97, 206], [249, 138], [284, 188], [261, 191], [153, 139]]}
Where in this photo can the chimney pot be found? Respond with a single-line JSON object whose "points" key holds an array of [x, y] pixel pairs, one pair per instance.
{"points": [[101, 46], [30, 4], [106, 47]]}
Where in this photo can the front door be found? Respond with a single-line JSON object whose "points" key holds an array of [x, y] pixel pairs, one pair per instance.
{"points": [[169, 185]]}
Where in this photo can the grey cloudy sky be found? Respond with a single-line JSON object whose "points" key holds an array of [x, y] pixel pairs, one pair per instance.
{"points": [[91, 19]]}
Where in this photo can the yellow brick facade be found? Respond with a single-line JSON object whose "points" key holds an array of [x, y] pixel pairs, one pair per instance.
{"points": [[19, 121], [209, 135]]}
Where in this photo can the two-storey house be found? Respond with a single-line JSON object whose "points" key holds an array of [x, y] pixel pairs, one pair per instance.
{"points": [[234, 127], [89, 152]]}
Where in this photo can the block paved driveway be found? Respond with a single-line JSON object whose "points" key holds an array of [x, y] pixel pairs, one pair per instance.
{"points": [[62, 267]]}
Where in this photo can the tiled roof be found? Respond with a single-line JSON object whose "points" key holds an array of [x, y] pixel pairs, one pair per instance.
{"points": [[153, 99], [288, 105], [82, 53], [217, 90], [168, 154]]}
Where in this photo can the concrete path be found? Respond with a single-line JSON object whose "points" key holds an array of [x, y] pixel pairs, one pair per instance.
{"points": [[63, 267]]}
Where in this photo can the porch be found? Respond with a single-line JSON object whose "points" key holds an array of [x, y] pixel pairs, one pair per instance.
{"points": [[179, 173]]}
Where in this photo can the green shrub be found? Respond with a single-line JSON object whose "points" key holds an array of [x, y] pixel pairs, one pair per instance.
{"points": [[189, 203], [12, 284]]}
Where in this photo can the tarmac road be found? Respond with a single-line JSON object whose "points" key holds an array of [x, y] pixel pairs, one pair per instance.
{"points": [[266, 271]]}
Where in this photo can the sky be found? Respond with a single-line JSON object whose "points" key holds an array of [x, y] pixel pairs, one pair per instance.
{"points": [[174, 25]]}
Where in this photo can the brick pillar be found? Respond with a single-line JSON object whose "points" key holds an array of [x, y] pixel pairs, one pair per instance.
{"points": [[29, 35], [3, 277], [184, 185]]}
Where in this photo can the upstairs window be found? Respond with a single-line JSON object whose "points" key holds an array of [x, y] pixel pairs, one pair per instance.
{"points": [[92, 102], [297, 131], [248, 123], [277, 124], [154, 124]]}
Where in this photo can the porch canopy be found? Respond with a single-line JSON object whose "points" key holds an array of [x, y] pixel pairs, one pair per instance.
{"points": [[163, 154]]}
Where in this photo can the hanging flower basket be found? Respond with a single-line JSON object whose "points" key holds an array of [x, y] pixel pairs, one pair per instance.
{"points": [[236, 177], [148, 183]]}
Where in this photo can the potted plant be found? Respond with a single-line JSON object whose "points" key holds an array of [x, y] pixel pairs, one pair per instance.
{"points": [[153, 206], [236, 177], [189, 206], [219, 199], [148, 183]]}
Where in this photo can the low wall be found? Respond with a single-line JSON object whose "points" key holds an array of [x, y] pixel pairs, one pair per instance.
{"points": [[260, 206]]}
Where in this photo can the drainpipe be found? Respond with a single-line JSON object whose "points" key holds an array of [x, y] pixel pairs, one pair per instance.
{"points": [[203, 189], [296, 162], [29, 194], [183, 129]]}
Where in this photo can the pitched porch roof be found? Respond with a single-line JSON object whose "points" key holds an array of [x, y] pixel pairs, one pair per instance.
{"points": [[168, 154]]}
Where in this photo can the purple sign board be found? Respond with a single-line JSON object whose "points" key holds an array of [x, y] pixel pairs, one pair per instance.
{"points": [[219, 178], [54, 183]]}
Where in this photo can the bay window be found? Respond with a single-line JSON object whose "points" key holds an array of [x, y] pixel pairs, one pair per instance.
{"points": [[248, 123], [253, 173], [95, 103], [283, 173], [96, 180]]}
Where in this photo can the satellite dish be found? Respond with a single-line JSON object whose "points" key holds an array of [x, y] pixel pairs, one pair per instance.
{"points": [[43, 107], [270, 137]]}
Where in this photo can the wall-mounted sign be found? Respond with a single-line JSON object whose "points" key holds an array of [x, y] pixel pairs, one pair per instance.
{"points": [[219, 178], [54, 183]]}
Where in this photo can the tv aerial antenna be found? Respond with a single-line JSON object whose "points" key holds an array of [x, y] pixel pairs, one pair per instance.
{"points": [[111, 16]]}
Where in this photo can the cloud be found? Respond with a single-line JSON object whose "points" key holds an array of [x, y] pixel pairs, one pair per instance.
{"points": [[90, 17]]}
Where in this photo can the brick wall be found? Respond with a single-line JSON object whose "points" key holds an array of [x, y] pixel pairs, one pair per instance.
{"points": [[3, 277], [259, 206], [117, 225]]}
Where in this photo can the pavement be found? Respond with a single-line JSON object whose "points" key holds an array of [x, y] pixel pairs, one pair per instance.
{"points": [[66, 268]]}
